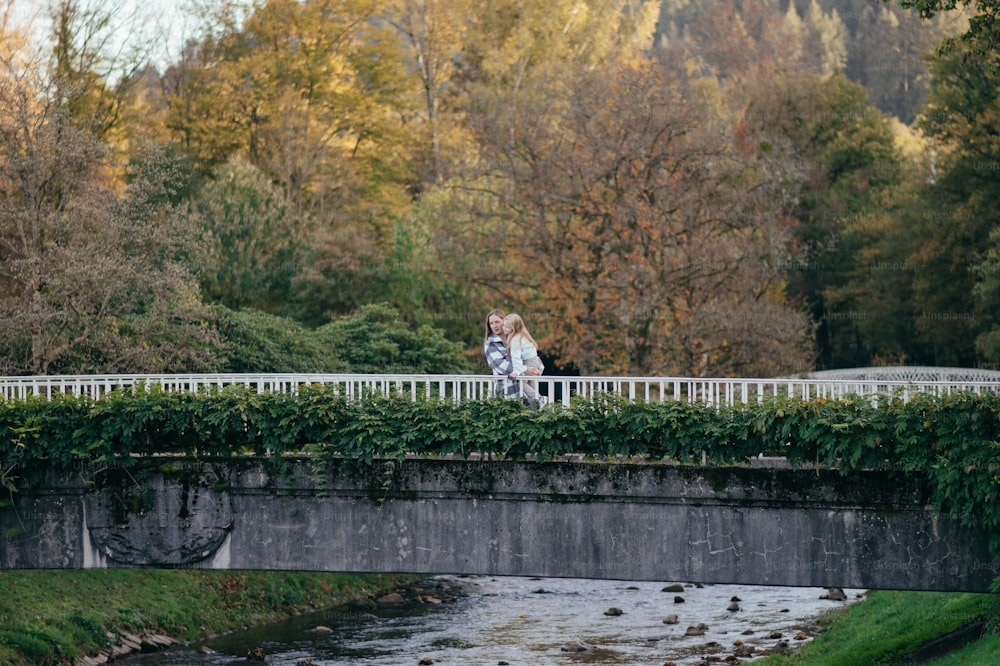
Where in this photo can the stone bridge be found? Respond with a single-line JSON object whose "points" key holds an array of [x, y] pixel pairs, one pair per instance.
{"points": [[756, 525]]}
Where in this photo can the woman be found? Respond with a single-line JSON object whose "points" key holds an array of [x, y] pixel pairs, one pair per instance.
{"points": [[495, 348], [523, 352]]}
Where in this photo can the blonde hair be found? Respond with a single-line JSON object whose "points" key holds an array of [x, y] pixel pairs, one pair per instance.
{"points": [[517, 327]]}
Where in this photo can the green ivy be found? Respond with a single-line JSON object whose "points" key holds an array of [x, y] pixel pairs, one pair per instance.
{"points": [[953, 440]]}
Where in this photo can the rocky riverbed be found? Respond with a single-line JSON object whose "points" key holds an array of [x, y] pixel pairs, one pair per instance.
{"points": [[480, 621]]}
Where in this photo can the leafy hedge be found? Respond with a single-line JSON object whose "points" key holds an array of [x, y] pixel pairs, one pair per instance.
{"points": [[953, 440]]}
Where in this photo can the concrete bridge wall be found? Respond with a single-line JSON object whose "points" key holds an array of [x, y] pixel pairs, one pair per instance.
{"points": [[590, 520]]}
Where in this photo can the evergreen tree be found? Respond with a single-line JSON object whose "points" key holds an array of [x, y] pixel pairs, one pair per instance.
{"points": [[250, 240], [963, 118]]}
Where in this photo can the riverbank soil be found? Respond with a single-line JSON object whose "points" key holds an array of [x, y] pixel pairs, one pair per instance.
{"points": [[58, 617]]}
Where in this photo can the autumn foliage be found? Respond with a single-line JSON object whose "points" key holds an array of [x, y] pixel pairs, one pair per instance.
{"points": [[655, 189]]}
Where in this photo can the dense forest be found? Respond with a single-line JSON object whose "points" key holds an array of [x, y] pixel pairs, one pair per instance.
{"points": [[685, 187]]}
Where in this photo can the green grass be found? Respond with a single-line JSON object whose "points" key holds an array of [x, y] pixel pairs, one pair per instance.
{"points": [[985, 652], [886, 626], [51, 617]]}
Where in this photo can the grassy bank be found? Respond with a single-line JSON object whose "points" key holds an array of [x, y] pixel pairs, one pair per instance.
{"points": [[52, 617], [886, 627], [981, 653]]}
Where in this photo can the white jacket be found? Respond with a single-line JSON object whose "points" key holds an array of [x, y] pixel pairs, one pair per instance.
{"points": [[521, 351]]}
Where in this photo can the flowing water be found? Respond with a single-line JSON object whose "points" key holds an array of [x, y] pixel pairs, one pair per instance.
{"points": [[532, 622]]}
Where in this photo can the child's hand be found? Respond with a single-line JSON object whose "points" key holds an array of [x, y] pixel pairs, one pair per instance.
{"points": [[512, 375]]}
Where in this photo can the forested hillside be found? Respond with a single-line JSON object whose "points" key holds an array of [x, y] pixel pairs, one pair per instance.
{"points": [[880, 45], [734, 187]]}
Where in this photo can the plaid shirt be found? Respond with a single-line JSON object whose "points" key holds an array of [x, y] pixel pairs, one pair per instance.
{"points": [[500, 364]]}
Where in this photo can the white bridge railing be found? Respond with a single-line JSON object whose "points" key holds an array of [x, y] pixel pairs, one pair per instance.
{"points": [[711, 391]]}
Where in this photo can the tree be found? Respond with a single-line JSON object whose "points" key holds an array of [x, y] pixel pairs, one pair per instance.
{"points": [[983, 33], [832, 35], [251, 241], [309, 92], [429, 267], [848, 162], [638, 235], [89, 269], [882, 47], [516, 40], [434, 33], [963, 119], [865, 284], [888, 56], [987, 293], [922, 276], [315, 96], [85, 62], [377, 339], [261, 342], [343, 268], [746, 43], [13, 40]]}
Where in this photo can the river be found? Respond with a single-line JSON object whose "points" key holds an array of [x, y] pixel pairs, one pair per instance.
{"points": [[531, 622]]}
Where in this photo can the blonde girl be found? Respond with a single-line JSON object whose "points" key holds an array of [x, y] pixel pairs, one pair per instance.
{"points": [[523, 352]]}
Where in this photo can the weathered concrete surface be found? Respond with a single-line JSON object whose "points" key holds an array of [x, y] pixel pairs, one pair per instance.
{"points": [[658, 522]]}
